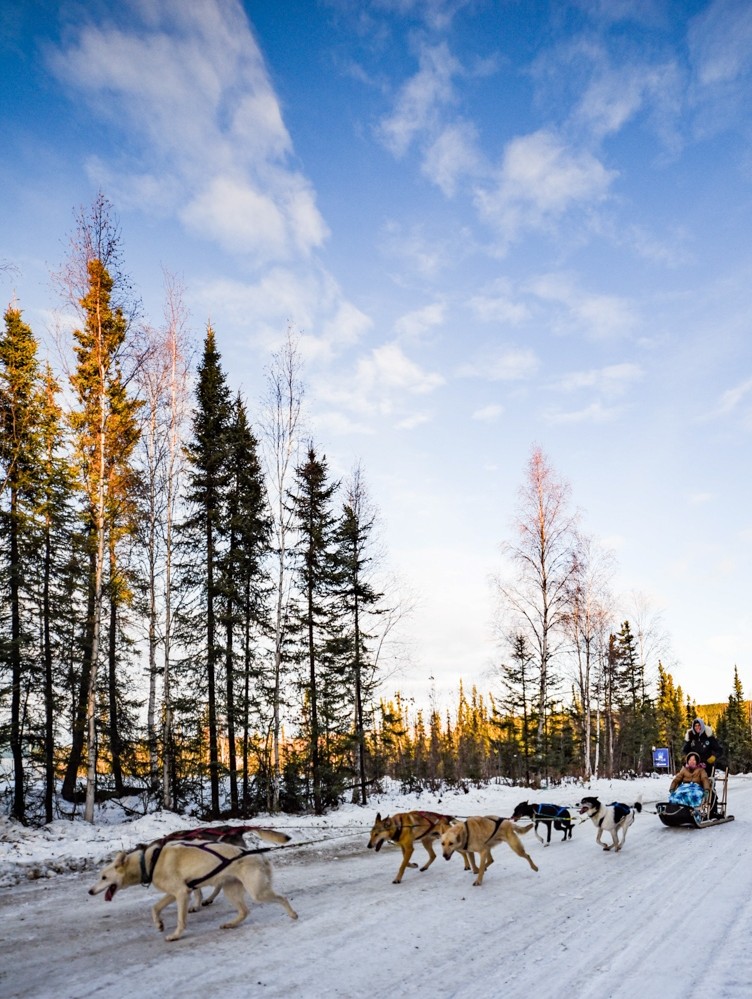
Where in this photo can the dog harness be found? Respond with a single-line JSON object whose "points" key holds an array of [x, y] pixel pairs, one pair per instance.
{"points": [[620, 811], [147, 869], [560, 812], [147, 873]]}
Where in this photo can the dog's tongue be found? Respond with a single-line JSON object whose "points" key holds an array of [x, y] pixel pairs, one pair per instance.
{"points": [[110, 893]]}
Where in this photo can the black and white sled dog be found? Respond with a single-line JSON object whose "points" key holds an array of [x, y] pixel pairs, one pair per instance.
{"points": [[550, 815], [610, 818]]}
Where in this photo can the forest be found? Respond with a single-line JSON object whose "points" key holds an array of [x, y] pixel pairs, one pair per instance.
{"points": [[193, 612]]}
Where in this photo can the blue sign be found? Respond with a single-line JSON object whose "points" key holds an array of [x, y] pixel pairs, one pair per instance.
{"points": [[660, 759]]}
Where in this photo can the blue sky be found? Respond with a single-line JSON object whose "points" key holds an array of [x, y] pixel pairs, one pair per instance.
{"points": [[497, 224]]}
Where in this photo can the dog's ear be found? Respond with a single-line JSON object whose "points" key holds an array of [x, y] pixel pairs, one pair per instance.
{"points": [[378, 816], [120, 859]]}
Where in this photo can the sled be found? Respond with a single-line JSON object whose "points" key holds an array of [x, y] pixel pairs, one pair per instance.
{"points": [[712, 812]]}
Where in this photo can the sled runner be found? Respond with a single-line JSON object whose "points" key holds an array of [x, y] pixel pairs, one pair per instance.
{"points": [[711, 812]]}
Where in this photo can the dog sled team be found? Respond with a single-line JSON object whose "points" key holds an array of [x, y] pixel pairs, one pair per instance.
{"points": [[182, 863]]}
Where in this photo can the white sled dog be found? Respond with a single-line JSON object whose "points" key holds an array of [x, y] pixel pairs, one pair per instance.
{"points": [[610, 818], [178, 868]]}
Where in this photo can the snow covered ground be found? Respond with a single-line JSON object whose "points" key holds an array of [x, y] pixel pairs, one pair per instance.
{"points": [[670, 916]]}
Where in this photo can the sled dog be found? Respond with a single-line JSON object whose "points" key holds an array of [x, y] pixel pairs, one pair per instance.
{"points": [[549, 815], [408, 828], [178, 868], [610, 818], [478, 833], [210, 834]]}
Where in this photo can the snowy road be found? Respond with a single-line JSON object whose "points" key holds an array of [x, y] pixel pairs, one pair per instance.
{"points": [[670, 916]]}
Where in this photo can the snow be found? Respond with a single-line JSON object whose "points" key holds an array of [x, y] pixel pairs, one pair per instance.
{"points": [[668, 916]]}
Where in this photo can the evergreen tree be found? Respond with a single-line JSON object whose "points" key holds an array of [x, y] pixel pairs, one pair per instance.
{"points": [[20, 446], [519, 683], [245, 584], [669, 714], [61, 572], [357, 599], [203, 530], [315, 574], [734, 730]]}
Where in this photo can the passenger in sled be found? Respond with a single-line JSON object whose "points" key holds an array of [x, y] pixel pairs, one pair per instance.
{"points": [[691, 785], [701, 740]]}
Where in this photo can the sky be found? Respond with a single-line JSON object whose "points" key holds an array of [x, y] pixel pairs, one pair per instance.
{"points": [[595, 924], [495, 225]]}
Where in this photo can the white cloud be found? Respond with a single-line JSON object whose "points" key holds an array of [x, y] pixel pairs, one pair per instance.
{"points": [[596, 412], [420, 99], [384, 383], [540, 179], [612, 380], [206, 139], [733, 397], [414, 324], [720, 40], [488, 414], [500, 305], [502, 364], [453, 154], [597, 316], [238, 217]]}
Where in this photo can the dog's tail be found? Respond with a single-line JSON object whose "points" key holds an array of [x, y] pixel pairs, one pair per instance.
{"points": [[522, 829], [271, 835]]}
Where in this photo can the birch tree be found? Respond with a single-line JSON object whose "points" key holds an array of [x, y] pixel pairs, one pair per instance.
{"points": [[544, 559], [104, 411], [281, 429]]}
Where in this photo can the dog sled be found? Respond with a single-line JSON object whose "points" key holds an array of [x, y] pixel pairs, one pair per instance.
{"points": [[713, 810]]}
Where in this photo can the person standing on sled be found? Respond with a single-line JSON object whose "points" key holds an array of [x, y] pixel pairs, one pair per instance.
{"points": [[701, 740], [691, 783]]}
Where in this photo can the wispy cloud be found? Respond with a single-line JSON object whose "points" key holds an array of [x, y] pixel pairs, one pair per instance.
{"points": [[596, 316], [720, 39], [421, 99], [385, 383], [499, 303], [595, 412], [612, 380], [501, 364], [206, 138], [415, 324], [540, 179], [488, 414]]}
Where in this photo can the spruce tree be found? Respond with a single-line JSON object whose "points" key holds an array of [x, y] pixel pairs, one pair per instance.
{"points": [[245, 584], [61, 571], [315, 575], [734, 729], [204, 530], [20, 406], [358, 602]]}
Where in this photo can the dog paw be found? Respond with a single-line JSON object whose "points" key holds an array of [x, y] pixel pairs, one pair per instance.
{"points": [[174, 936]]}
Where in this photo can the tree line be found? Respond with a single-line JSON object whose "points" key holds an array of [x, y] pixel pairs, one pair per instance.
{"points": [[193, 610], [188, 610]]}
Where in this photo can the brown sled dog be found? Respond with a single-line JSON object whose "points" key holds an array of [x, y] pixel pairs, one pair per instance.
{"points": [[178, 868], [408, 828], [478, 833]]}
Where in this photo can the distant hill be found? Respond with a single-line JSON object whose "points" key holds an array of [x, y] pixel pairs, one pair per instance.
{"points": [[712, 712]]}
